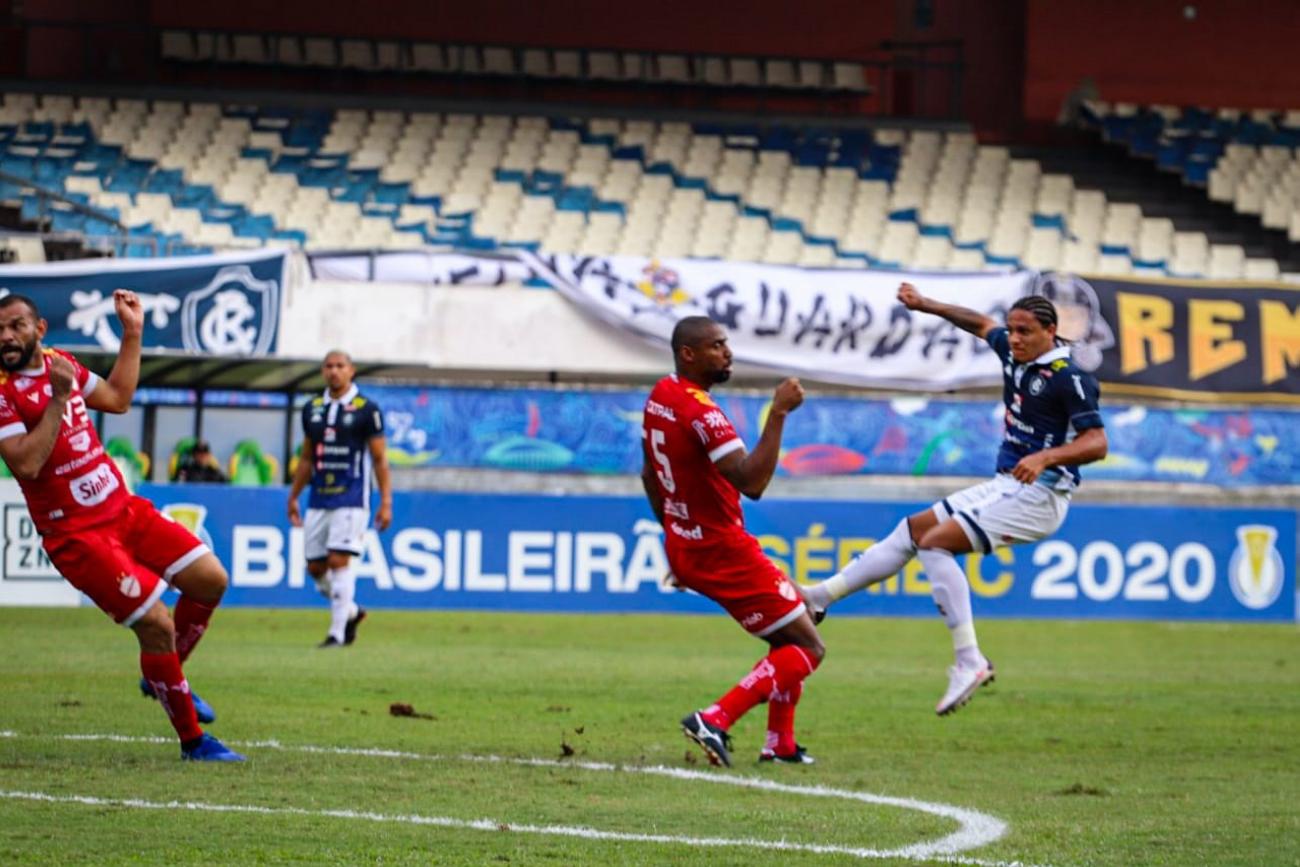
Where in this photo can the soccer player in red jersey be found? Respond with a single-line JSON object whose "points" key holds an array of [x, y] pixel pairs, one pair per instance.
{"points": [[114, 547], [696, 467]]}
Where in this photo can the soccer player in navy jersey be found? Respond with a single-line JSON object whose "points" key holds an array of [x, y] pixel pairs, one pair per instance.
{"points": [[1053, 426], [343, 440]]}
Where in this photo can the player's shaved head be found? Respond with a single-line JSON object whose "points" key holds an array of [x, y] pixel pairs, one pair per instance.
{"points": [[337, 354], [13, 298], [691, 331]]}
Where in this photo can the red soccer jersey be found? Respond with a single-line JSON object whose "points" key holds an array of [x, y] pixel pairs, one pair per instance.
{"points": [[79, 486], [685, 434]]}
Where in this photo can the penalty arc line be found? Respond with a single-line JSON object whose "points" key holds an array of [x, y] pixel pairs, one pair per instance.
{"points": [[976, 829]]}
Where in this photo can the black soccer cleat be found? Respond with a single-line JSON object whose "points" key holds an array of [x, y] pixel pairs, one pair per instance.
{"points": [[350, 631], [715, 741], [329, 642], [798, 757]]}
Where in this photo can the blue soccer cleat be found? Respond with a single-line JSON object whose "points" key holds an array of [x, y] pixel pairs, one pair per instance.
{"points": [[202, 709], [209, 749]]}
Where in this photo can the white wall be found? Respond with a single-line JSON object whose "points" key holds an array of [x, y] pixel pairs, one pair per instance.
{"points": [[469, 328]]}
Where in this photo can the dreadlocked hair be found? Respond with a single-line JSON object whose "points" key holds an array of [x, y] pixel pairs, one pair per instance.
{"points": [[1041, 309]]}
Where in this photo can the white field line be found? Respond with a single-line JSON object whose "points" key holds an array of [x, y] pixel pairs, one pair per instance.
{"points": [[975, 829]]}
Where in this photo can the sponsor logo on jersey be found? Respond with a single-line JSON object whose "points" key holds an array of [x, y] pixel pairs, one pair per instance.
{"points": [[715, 419], [95, 486], [23, 383], [677, 509], [656, 408], [80, 441], [701, 396], [1256, 572], [696, 533]]}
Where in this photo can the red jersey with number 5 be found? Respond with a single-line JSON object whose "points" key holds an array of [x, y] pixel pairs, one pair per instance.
{"points": [[685, 434], [79, 486]]}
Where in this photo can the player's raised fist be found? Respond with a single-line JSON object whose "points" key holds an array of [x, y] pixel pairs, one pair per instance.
{"points": [[62, 374], [129, 311], [788, 396], [909, 297]]}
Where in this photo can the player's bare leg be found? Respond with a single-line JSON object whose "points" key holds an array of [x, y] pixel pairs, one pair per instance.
{"points": [[951, 593], [876, 564]]}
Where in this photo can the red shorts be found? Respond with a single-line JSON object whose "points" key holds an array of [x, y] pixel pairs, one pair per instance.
{"points": [[737, 575], [118, 564]]}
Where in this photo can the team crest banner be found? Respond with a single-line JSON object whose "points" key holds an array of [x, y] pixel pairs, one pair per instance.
{"points": [[211, 305], [835, 325]]}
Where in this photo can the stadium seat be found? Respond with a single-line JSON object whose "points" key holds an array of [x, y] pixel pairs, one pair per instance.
{"points": [[250, 467], [133, 464]]}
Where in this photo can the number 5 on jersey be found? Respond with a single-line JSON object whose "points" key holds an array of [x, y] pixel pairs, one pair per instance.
{"points": [[665, 474]]}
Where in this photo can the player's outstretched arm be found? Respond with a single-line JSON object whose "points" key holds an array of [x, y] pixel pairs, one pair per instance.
{"points": [[114, 392], [963, 317], [751, 472], [27, 453]]}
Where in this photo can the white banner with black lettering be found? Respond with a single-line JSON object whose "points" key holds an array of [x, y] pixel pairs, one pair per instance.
{"points": [[836, 325]]}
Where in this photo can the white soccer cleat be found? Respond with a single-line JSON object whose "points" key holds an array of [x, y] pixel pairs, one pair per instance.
{"points": [[962, 683]]}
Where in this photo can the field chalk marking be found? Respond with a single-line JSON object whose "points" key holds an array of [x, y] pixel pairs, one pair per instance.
{"points": [[975, 829]]}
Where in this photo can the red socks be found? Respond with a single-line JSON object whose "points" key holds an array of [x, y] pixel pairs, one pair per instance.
{"points": [[191, 622], [780, 672], [780, 720], [163, 672]]}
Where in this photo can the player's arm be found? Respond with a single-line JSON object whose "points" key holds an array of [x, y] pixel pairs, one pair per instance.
{"points": [[651, 485], [379, 458], [963, 317], [115, 391], [26, 453], [750, 472], [301, 476], [1087, 447]]}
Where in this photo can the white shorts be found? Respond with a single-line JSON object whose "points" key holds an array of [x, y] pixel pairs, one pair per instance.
{"points": [[334, 530], [1003, 511]]}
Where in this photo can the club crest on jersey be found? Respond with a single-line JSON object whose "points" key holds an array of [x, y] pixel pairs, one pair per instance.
{"points": [[1256, 572], [129, 586], [23, 383], [1036, 386]]}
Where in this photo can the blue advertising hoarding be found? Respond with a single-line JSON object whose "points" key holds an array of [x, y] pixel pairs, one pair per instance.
{"points": [[605, 554]]}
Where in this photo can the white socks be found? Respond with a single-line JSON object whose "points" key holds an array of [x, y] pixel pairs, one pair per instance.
{"points": [[872, 566], [951, 594], [343, 586]]}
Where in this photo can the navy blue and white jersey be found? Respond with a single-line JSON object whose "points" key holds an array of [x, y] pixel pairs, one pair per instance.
{"points": [[340, 432], [1049, 401]]}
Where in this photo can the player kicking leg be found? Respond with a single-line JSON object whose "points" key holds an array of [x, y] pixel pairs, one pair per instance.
{"points": [[1048, 401]]}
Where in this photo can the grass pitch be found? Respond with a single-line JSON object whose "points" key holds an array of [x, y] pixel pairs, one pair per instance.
{"points": [[1100, 743]]}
